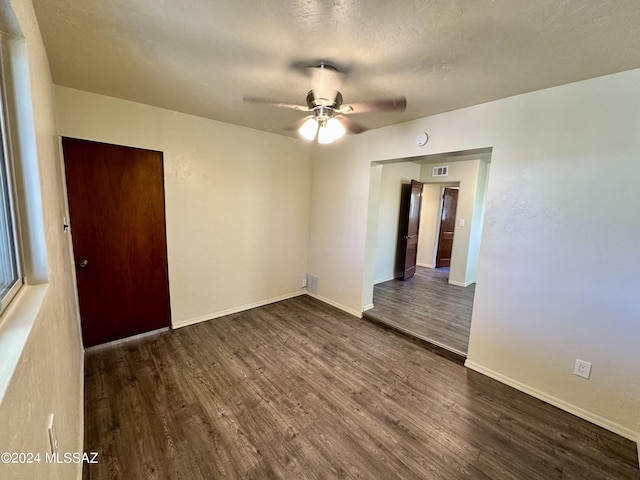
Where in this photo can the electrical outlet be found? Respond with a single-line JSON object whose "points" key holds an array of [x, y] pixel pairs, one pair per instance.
{"points": [[582, 368], [304, 282]]}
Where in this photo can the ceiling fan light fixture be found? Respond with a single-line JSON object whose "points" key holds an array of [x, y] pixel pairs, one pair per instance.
{"points": [[309, 129], [335, 127], [328, 120], [324, 134]]}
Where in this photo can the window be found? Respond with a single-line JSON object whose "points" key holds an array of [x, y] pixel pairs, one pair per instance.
{"points": [[23, 252], [10, 277]]}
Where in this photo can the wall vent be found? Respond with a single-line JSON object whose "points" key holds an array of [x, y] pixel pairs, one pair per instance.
{"points": [[312, 284], [440, 171]]}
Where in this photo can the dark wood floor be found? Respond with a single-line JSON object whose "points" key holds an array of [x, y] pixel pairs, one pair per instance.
{"points": [[427, 307], [301, 390]]}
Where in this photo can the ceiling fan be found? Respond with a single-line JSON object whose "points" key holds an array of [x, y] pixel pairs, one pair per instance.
{"points": [[327, 120]]}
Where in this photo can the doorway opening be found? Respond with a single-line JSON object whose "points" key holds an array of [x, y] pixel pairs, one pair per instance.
{"points": [[435, 304]]}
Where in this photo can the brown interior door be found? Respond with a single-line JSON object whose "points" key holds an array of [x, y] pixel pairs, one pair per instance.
{"points": [[410, 206], [116, 205], [447, 227]]}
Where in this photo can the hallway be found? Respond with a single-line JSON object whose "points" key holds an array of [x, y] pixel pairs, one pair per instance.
{"points": [[427, 307]]}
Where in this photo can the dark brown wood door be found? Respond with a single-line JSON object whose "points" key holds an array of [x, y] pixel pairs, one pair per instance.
{"points": [[411, 204], [116, 204], [447, 227]]}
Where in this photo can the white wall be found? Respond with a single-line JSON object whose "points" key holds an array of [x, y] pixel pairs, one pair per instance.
{"points": [[558, 270], [394, 175], [237, 201], [375, 181], [48, 376], [477, 223], [430, 215], [339, 225]]}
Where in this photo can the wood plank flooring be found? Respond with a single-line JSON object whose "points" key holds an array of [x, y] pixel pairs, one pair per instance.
{"points": [[427, 307], [301, 390]]}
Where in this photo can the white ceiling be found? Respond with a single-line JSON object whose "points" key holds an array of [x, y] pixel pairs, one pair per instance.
{"points": [[201, 56]]}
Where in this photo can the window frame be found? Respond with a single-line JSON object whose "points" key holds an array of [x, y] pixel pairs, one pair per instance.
{"points": [[8, 159]]}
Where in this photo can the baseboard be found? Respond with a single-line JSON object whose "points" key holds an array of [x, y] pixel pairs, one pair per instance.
{"points": [[425, 265], [336, 304], [376, 282], [461, 284], [242, 308], [556, 402], [367, 307]]}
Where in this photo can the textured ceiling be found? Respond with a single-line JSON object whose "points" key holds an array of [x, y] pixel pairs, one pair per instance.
{"points": [[201, 56]]}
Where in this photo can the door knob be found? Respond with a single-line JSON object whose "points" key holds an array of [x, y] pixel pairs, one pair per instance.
{"points": [[83, 263]]}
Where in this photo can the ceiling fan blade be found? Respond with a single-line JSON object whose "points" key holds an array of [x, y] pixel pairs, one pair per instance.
{"points": [[351, 126], [398, 104], [296, 126], [276, 103]]}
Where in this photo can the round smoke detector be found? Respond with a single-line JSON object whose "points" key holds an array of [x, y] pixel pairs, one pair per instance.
{"points": [[422, 139]]}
